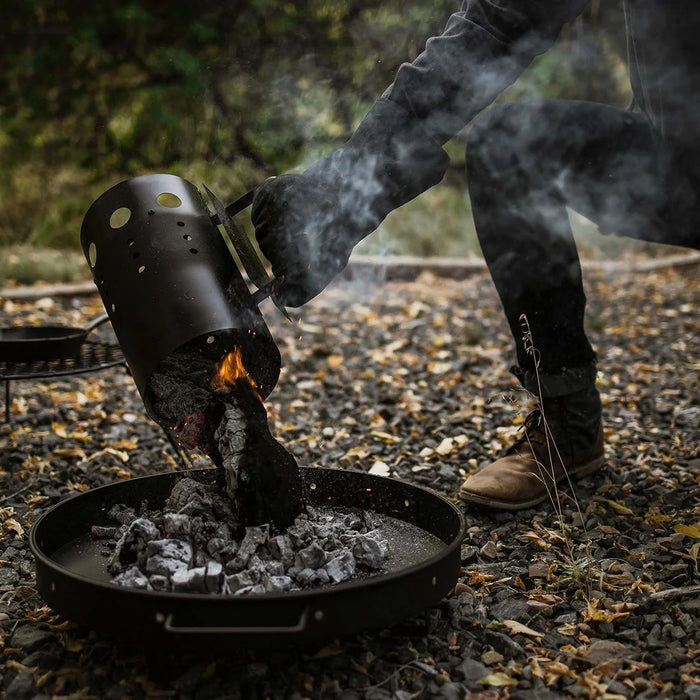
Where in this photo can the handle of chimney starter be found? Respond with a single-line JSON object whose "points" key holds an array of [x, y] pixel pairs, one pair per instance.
{"points": [[247, 631], [237, 207]]}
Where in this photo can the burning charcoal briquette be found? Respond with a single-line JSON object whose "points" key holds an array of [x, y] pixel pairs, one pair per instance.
{"points": [[281, 549], [371, 550], [131, 544], [311, 557], [189, 496], [278, 584], [341, 568], [197, 579], [159, 582], [235, 582], [133, 578], [168, 556], [177, 525], [122, 514], [214, 576], [103, 532]]}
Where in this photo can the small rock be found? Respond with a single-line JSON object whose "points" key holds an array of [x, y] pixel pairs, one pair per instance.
{"points": [[472, 670], [29, 638], [539, 569], [489, 550]]}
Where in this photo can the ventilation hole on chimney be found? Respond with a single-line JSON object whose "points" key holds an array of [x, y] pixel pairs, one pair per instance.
{"points": [[119, 217], [194, 251], [151, 212], [187, 237], [92, 254], [141, 269], [210, 339], [180, 223], [130, 242], [136, 255], [169, 200]]}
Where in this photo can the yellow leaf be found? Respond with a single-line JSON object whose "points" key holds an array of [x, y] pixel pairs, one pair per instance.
{"points": [[497, 680], [536, 539], [593, 612], [689, 530], [386, 437], [619, 508], [518, 628], [12, 524], [59, 429]]}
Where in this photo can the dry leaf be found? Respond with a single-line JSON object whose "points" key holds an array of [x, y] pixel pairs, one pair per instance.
{"points": [[497, 680], [593, 612], [515, 627], [445, 447], [619, 508], [380, 468], [689, 530], [536, 539], [12, 524], [386, 437]]}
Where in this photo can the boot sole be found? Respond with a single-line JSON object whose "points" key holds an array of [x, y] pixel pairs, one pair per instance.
{"points": [[582, 470]]}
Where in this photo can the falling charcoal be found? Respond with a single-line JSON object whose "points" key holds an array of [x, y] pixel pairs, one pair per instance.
{"points": [[260, 474], [217, 408]]}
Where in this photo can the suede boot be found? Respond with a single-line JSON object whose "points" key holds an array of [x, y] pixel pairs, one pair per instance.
{"points": [[562, 439]]}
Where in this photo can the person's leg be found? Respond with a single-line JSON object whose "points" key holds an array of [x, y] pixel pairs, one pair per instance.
{"points": [[526, 163]]}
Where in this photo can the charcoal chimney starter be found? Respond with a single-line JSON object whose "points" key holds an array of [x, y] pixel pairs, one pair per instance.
{"points": [[168, 281]]}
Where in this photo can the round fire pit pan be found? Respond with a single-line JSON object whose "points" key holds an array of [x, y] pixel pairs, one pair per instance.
{"points": [[78, 587], [72, 574]]}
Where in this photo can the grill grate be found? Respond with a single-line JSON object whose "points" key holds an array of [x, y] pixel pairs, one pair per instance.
{"points": [[92, 356]]}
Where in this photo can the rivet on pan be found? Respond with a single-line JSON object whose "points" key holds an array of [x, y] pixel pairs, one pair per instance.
{"points": [[160, 617], [210, 339], [318, 615], [434, 581], [407, 503]]}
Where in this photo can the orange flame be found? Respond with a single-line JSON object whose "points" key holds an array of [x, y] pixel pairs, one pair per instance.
{"points": [[229, 370]]}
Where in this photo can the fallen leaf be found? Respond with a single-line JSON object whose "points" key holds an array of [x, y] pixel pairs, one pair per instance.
{"points": [[619, 508], [386, 437], [497, 680], [518, 628], [12, 524], [536, 539], [380, 468], [445, 447], [689, 530]]}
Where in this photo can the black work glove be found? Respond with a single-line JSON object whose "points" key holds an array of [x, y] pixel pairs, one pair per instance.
{"points": [[307, 225]]}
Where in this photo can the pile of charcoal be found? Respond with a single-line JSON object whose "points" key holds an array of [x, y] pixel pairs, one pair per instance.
{"points": [[194, 545]]}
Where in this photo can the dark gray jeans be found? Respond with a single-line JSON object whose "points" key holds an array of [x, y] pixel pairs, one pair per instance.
{"points": [[528, 161]]}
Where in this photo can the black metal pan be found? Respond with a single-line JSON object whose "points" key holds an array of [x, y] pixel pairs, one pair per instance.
{"points": [[72, 572], [32, 343]]}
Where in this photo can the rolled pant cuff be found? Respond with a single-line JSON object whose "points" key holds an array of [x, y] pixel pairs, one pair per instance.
{"points": [[566, 381]]}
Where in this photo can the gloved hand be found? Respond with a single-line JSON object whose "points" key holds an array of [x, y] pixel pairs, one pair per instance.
{"points": [[307, 224]]}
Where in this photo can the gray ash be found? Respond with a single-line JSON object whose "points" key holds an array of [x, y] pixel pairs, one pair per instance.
{"points": [[196, 544]]}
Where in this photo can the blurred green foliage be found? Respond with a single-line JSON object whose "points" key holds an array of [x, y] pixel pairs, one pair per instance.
{"points": [[229, 93]]}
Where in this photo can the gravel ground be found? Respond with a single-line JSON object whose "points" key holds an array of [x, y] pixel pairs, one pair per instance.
{"points": [[408, 379]]}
